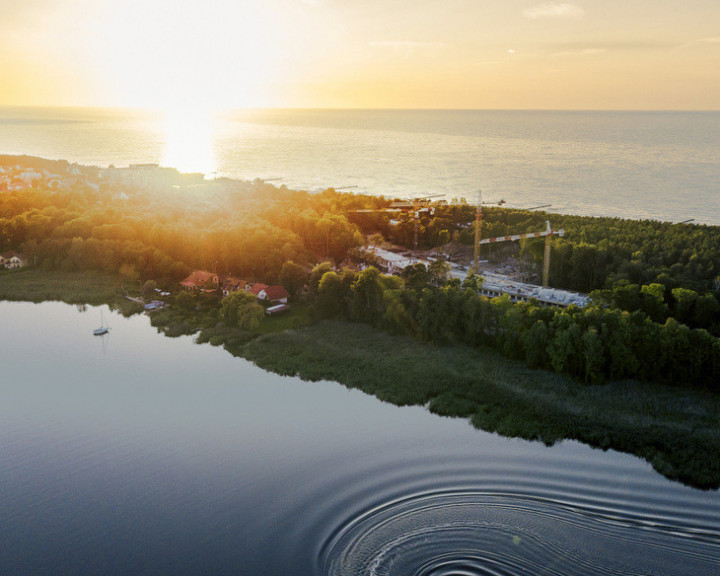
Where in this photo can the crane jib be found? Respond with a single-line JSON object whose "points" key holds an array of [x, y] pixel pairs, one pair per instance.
{"points": [[521, 236]]}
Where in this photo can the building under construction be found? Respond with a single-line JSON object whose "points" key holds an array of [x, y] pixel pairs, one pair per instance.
{"points": [[494, 284]]}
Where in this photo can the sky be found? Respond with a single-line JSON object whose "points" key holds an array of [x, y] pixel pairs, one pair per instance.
{"points": [[485, 54]]}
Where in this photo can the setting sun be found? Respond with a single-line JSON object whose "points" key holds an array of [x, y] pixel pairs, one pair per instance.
{"points": [[189, 140]]}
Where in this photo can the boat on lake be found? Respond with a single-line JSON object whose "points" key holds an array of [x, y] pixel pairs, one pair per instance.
{"points": [[103, 328]]}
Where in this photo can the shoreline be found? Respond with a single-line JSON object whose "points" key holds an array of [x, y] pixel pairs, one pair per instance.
{"points": [[673, 429], [670, 196]]}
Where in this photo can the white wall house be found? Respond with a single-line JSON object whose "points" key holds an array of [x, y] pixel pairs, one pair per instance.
{"points": [[275, 294], [12, 260]]}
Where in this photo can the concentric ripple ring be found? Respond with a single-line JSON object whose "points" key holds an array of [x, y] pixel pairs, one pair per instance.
{"points": [[465, 533]]}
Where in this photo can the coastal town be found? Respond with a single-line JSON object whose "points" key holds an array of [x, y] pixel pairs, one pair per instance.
{"points": [[24, 173]]}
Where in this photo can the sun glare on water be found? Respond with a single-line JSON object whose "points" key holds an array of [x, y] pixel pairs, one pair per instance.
{"points": [[189, 140]]}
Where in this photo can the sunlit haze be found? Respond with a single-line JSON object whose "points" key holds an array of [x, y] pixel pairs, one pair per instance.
{"points": [[528, 54]]}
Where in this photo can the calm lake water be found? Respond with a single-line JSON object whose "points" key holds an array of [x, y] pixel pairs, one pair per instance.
{"points": [[140, 454], [658, 165]]}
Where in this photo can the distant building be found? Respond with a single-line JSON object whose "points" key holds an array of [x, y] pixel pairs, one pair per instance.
{"points": [[256, 288], [200, 280], [231, 284], [273, 294], [12, 260], [496, 285], [390, 262]]}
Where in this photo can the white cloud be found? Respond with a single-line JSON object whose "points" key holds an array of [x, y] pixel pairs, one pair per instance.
{"points": [[715, 40], [554, 10]]}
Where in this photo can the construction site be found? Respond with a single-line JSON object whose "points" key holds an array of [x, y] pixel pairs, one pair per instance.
{"points": [[503, 275]]}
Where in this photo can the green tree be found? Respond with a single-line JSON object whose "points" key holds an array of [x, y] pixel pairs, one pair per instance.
{"points": [[293, 277], [148, 289], [185, 301], [242, 310], [653, 299], [376, 239], [707, 311], [316, 275], [594, 357], [439, 272], [473, 281], [565, 347], [416, 276], [329, 302], [396, 318], [367, 296], [443, 237], [685, 301], [534, 344]]}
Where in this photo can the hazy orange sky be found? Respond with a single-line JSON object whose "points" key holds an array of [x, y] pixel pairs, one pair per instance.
{"points": [[176, 54]]}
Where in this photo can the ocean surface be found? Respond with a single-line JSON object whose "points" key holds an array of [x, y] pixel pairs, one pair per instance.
{"points": [[136, 454], [656, 165]]}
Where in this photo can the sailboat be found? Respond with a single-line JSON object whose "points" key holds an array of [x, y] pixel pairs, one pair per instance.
{"points": [[103, 329]]}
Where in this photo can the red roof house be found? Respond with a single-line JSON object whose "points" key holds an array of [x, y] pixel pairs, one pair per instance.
{"points": [[200, 279], [273, 294], [231, 284], [257, 288]]}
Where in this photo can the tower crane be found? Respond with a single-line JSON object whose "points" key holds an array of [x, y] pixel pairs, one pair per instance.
{"points": [[478, 222], [547, 233]]}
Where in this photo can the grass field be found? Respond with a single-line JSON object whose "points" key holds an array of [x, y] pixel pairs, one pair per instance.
{"points": [[35, 285]]}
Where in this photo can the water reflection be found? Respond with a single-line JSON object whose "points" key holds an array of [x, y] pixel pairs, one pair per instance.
{"points": [[163, 456]]}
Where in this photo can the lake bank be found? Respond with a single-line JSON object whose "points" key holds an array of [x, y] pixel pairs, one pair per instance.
{"points": [[673, 429]]}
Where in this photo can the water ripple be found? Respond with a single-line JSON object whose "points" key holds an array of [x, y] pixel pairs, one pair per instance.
{"points": [[478, 533]]}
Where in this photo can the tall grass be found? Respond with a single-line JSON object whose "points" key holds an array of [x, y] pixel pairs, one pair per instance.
{"points": [[35, 285], [675, 430]]}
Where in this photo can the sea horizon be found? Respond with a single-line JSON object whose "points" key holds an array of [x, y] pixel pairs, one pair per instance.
{"points": [[646, 164]]}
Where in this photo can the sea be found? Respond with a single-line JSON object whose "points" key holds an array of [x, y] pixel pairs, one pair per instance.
{"points": [[639, 165]]}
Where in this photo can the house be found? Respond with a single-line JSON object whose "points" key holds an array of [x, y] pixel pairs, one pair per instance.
{"points": [[273, 294], [387, 261], [256, 288], [12, 260], [199, 280], [231, 284]]}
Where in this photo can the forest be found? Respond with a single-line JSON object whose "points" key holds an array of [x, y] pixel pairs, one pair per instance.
{"points": [[655, 304]]}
